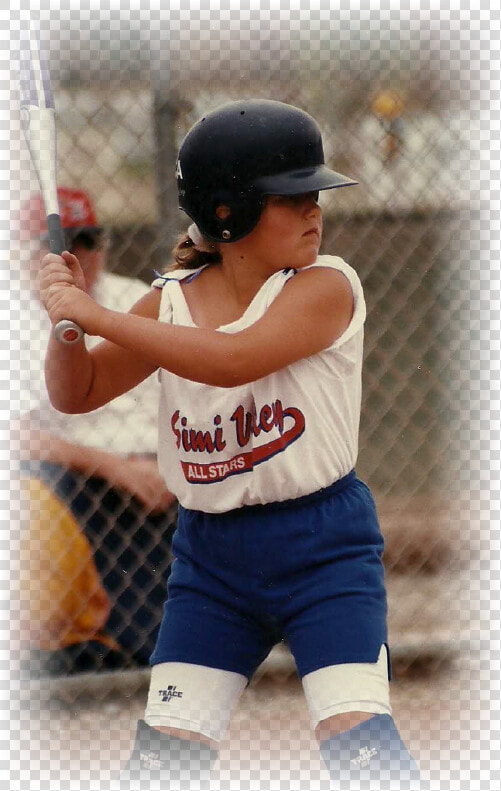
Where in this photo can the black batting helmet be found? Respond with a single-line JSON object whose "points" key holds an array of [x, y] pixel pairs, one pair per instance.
{"points": [[243, 151]]}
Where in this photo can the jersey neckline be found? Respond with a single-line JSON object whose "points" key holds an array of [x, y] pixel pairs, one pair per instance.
{"points": [[233, 324]]}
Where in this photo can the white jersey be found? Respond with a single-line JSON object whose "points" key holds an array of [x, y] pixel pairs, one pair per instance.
{"points": [[285, 435]]}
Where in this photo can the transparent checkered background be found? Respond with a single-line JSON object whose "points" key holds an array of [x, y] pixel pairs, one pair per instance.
{"points": [[421, 230]]}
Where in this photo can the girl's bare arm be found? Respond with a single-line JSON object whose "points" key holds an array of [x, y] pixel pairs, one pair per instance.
{"points": [[80, 380], [314, 308]]}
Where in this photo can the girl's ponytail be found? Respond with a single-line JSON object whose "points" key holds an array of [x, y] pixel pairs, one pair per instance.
{"points": [[187, 256]]}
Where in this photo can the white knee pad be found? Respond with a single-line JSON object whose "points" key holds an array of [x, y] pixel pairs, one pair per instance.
{"points": [[193, 698], [338, 689]]}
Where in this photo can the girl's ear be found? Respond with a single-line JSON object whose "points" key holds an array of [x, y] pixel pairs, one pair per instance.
{"points": [[223, 212]]}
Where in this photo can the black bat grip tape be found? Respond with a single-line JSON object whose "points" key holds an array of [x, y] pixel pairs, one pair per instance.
{"points": [[65, 331], [56, 236]]}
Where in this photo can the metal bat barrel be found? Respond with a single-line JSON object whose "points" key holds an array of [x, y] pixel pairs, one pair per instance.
{"points": [[38, 122]]}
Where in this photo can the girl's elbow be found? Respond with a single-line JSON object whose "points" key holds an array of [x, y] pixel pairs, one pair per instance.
{"points": [[67, 405], [242, 372], [229, 383], [232, 373], [227, 380]]}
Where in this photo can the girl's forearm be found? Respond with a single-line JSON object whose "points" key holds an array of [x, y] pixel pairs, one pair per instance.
{"points": [[90, 461], [201, 355], [68, 374]]}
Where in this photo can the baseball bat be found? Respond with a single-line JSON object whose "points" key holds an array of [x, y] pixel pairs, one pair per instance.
{"points": [[39, 126]]}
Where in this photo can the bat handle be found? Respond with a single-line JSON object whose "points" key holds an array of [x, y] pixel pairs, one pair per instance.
{"points": [[65, 331]]}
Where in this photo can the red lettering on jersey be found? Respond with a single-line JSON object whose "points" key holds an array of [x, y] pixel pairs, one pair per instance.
{"points": [[270, 417], [244, 462], [195, 440], [177, 433]]}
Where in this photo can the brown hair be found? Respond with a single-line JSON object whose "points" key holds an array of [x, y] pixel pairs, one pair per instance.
{"points": [[186, 256]]}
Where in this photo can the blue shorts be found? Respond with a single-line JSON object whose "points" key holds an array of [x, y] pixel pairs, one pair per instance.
{"points": [[307, 570]]}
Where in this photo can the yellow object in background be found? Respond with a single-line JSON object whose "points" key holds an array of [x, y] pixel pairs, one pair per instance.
{"points": [[388, 105], [62, 598]]}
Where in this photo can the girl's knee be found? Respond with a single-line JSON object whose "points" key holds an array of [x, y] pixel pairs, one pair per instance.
{"points": [[339, 723], [169, 753], [370, 749], [190, 736]]}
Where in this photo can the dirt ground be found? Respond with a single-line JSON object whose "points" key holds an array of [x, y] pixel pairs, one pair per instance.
{"points": [[83, 744]]}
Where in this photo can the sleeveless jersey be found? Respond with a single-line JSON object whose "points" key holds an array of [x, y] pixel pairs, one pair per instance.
{"points": [[281, 437]]}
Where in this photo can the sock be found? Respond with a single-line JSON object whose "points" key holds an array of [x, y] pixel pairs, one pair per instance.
{"points": [[158, 756], [371, 755]]}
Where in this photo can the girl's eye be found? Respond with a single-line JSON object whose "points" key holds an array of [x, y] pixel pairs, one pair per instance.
{"points": [[297, 200]]}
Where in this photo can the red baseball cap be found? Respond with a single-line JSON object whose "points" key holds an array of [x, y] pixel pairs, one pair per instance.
{"points": [[77, 215]]}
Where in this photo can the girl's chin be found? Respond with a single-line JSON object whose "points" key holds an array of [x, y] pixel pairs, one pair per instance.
{"points": [[308, 258]]}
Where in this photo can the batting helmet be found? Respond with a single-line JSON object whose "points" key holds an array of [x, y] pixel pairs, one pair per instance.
{"points": [[243, 151]]}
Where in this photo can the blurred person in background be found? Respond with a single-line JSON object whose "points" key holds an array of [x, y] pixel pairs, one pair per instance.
{"points": [[97, 554]]}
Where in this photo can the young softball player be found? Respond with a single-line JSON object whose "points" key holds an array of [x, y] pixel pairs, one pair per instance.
{"points": [[258, 340]]}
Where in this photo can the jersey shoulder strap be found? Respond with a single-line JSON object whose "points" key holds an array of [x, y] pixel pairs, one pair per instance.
{"points": [[360, 310]]}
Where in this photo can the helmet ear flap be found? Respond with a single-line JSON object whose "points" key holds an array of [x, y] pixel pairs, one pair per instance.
{"points": [[220, 207], [242, 212], [222, 211]]}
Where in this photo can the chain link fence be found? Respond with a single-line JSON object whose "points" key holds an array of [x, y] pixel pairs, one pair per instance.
{"points": [[398, 230]]}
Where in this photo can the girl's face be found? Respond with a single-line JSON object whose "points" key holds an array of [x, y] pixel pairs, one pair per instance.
{"points": [[288, 233]]}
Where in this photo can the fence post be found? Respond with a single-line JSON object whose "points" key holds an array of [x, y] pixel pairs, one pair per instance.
{"points": [[167, 108]]}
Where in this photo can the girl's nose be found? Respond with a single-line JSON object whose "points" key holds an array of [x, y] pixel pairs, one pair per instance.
{"points": [[311, 202]]}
